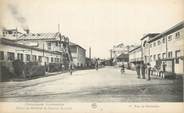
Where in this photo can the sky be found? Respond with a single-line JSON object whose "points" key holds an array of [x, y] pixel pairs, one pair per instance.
{"points": [[98, 24]]}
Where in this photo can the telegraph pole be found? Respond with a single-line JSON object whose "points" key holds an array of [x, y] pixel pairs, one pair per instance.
{"points": [[58, 27], [89, 52]]}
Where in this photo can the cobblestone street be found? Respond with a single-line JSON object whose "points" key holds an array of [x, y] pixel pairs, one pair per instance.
{"points": [[105, 85]]}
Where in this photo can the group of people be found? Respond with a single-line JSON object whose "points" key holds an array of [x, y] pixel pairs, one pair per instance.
{"points": [[143, 70]]}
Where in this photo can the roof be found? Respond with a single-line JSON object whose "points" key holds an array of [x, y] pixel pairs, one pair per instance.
{"points": [[169, 31], [150, 35], [74, 44], [134, 49], [120, 45], [39, 36], [123, 55], [13, 43], [12, 36]]}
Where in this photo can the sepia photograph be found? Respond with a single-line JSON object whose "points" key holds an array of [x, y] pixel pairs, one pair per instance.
{"points": [[91, 51]]}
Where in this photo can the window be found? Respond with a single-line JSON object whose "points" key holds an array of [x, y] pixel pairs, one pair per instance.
{"points": [[158, 56], [1, 55], [169, 37], [177, 35], [28, 58], [11, 56], [20, 56], [177, 55], [47, 59], [150, 45], [170, 54], [158, 42], [163, 40], [40, 58], [163, 55], [49, 45], [57, 60], [56, 43], [34, 58], [52, 60], [154, 57], [154, 44]]}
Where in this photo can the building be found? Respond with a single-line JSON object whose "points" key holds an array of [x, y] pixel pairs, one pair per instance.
{"points": [[120, 50], [54, 42], [159, 48], [145, 46], [11, 34], [135, 56], [10, 50], [123, 57], [169, 47], [78, 55], [50, 42]]}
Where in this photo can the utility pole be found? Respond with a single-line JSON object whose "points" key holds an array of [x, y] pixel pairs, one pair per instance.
{"points": [[58, 27], [89, 52], [110, 53]]}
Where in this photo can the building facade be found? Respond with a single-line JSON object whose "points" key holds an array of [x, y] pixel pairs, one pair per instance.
{"points": [[50, 42], [158, 48], [145, 48], [10, 51], [46, 42], [135, 56], [169, 46], [119, 51], [78, 55]]}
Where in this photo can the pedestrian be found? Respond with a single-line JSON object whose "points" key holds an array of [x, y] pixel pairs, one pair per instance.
{"points": [[142, 68], [122, 68], [70, 68], [163, 66], [137, 66], [96, 64], [148, 68]]}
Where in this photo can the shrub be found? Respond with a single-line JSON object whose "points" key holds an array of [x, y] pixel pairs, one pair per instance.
{"points": [[33, 69], [6, 71], [18, 66], [53, 67]]}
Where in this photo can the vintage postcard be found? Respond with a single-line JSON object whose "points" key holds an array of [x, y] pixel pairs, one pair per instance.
{"points": [[91, 56]]}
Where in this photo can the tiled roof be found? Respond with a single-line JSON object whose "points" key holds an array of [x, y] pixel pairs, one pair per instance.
{"points": [[40, 36]]}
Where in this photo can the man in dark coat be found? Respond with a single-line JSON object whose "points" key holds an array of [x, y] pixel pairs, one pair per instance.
{"points": [[137, 66], [148, 68], [142, 68]]}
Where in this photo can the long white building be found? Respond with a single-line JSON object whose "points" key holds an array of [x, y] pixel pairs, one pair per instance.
{"points": [[167, 47]]}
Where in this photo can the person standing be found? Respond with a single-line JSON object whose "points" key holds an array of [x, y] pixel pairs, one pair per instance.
{"points": [[142, 68], [148, 68], [96, 64], [70, 68], [137, 66], [122, 68]]}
